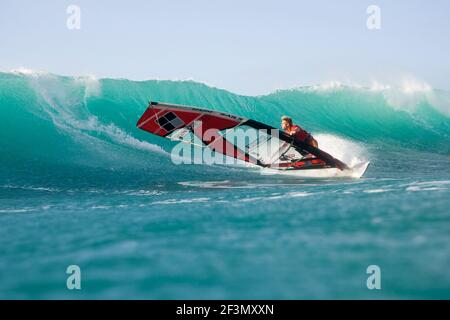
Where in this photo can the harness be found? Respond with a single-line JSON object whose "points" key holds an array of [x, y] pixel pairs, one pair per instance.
{"points": [[302, 135]]}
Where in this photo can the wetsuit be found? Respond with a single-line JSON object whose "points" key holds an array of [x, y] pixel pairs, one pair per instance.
{"points": [[301, 135]]}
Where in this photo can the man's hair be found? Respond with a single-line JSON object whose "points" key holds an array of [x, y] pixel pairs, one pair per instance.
{"points": [[287, 119]]}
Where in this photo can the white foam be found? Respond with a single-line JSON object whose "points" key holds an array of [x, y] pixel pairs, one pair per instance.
{"points": [[417, 188], [100, 207], [16, 210], [428, 186], [178, 201], [33, 188], [68, 120], [69, 117], [27, 72], [123, 138], [226, 184], [345, 150], [277, 196], [143, 193], [433, 182], [376, 190], [405, 93], [92, 87], [334, 85], [408, 92]]}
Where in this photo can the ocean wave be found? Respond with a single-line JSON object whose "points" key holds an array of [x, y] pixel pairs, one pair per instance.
{"points": [[86, 121]]}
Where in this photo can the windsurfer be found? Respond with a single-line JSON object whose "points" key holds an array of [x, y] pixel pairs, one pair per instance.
{"points": [[298, 133]]}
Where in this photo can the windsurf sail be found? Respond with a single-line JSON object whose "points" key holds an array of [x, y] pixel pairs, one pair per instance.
{"points": [[270, 147]]}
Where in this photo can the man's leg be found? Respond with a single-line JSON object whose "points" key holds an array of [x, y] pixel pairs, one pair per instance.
{"points": [[312, 142]]}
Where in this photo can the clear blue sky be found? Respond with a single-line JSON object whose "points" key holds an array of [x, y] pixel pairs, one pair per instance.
{"points": [[249, 47]]}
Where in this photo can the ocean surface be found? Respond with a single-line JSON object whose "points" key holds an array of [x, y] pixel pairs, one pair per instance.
{"points": [[81, 185]]}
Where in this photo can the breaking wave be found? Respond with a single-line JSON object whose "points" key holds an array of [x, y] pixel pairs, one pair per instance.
{"points": [[84, 122]]}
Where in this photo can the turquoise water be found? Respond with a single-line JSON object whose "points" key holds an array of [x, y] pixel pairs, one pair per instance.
{"points": [[81, 185]]}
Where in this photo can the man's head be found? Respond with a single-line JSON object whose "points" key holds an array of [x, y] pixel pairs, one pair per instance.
{"points": [[286, 122]]}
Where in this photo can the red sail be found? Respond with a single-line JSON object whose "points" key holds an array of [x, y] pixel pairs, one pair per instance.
{"points": [[164, 119]]}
